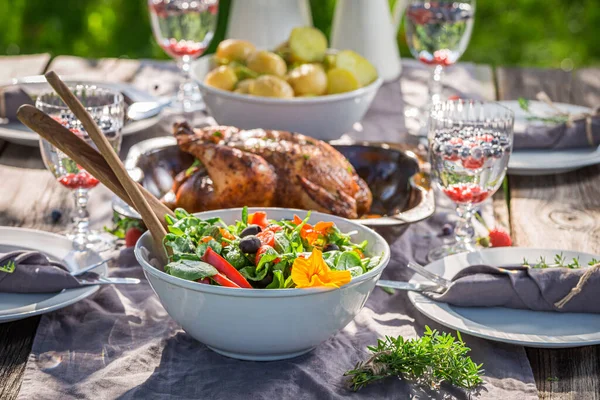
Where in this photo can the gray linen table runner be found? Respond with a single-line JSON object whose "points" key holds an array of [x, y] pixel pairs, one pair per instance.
{"points": [[121, 344]]}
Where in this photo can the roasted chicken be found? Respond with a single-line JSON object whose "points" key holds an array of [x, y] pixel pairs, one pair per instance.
{"points": [[266, 168]]}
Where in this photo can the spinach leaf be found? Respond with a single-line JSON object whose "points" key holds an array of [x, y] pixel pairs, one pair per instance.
{"points": [[355, 271], [331, 258], [181, 213], [370, 263], [235, 257], [190, 270], [289, 282], [347, 260], [267, 257], [282, 244], [251, 274], [179, 244], [278, 281], [216, 246]]}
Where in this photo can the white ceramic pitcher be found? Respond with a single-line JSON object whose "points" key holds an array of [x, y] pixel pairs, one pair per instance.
{"points": [[369, 28], [266, 23]]}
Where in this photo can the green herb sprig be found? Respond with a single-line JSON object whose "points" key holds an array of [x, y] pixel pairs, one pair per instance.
{"points": [[553, 119], [434, 358], [560, 261]]}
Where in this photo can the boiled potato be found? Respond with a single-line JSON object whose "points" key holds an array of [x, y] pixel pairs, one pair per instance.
{"points": [[266, 62], [244, 86], [308, 79], [271, 86], [234, 50], [307, 45], [364, 71], [223, 77], [340, 80]]}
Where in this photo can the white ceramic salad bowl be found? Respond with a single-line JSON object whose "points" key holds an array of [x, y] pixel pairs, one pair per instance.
{"points": [[322, 117], [264, 324]]}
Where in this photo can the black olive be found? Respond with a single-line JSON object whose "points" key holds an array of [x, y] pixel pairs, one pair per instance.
{"points": [[250, 244], [331, 247], [251, 230]]}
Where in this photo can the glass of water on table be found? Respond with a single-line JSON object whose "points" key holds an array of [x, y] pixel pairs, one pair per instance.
{"points": [[470, 143], [107, 109]]}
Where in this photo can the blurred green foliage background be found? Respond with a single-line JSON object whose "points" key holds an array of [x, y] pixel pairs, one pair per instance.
{"points": [[546, 33]]}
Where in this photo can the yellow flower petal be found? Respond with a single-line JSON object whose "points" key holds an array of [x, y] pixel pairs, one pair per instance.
{"points": [[314, 272]]}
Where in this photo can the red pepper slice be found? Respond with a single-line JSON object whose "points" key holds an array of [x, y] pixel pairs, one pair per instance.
{"points": [[223, 281], [267, 238], [262, 250], [223, 266], [205, 280], [258, 218]]}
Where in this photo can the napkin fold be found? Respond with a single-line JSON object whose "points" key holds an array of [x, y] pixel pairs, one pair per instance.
{"points": [[584, 132], [33, 272], [11, 98], [523, 287]]}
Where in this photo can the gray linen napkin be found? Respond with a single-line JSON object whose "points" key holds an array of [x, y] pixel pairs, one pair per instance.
{"points": [[33, 272], [555, 137], [11, 98], [522, 287]]}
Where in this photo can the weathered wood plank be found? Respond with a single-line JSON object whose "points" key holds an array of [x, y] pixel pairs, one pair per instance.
{"points": [[106, 69], [20, 66], [558, 211]]}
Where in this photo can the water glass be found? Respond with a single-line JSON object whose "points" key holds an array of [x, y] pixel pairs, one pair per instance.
{"points": [[107, 109], [470, 143], [184, 29], [437, 34]]}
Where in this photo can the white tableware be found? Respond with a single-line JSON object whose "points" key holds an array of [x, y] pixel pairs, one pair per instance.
{"points": [[266, 23], [521, 327], [547, 162], [14, 306], [322, 117], [262, 324], [15, 132], [368, 27]]}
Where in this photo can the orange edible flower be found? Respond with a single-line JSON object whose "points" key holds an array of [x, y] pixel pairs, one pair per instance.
{"points": [[207, 239], [225, 233], [314, 272], [310, 233]]}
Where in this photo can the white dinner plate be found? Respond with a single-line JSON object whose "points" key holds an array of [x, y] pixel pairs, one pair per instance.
{"points": [[546, 162], [15, 132], [14, 306], [521, 327]]}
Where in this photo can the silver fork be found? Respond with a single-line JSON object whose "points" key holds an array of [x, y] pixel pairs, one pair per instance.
{"points": [[411, 286], [419, 269]]}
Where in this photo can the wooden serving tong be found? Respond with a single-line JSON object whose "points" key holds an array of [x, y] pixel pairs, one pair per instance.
{"points": [[104, 165]]}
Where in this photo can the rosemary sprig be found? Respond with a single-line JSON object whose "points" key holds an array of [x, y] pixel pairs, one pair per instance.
{"points": [[434, 358], [560, 261], [553, 119]]}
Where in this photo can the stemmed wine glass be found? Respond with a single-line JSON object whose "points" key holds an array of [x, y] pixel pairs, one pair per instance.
{"points": [[184, 29], [469, 146], [107, 109], [437, 34]]}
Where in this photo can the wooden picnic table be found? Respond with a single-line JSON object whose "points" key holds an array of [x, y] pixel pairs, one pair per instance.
{"points": [[555, 211]]}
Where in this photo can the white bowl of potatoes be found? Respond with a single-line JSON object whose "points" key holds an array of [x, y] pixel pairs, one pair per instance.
{"points": [[301, 86]]}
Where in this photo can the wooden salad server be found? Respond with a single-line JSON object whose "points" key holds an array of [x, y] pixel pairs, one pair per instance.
{"points": [[150, 219], [84, 155]]}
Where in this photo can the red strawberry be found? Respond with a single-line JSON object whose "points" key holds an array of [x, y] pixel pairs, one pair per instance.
{"points": [[500, 238], [472, 163], [131, 236], [455, 97]]}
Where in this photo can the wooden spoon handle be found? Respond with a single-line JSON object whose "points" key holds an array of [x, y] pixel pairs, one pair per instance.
{"points": [[85, 155], [150, 219]]}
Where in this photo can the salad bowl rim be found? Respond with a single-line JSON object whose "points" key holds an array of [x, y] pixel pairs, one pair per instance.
{"points": [[258, 293], [329, 98]]}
